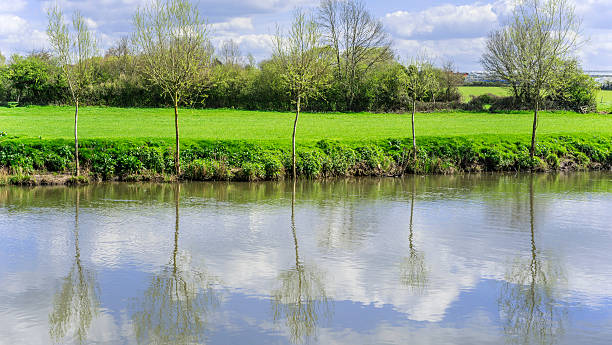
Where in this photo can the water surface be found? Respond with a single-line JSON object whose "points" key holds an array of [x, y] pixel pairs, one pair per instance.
{"points": [[427, 260]]}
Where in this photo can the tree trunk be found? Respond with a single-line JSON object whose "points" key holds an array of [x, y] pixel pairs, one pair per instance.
{"points": [[76, 138], [414, 147], [535, 126], [297, 115], [177, 163]]}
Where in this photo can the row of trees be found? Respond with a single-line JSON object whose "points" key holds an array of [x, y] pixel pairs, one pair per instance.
{"points": [[337, 58], [170, 50]]}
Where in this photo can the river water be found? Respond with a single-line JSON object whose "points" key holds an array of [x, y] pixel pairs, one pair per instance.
{"points": [[487, 259]]}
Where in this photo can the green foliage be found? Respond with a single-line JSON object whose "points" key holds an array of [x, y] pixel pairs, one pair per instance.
{"points": [[419, 81], [22, 180], [574, 90], [115, 83], [231, 160]]}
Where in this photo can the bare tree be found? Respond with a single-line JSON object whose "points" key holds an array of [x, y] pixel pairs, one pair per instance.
{"points": [[525, 51], [172, 40], [74, 51], [418, 80], [450, 81], [303, 63], [357, 39], [121, 53], [230, 53]]}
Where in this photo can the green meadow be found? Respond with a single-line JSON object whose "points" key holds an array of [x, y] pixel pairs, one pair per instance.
{"points": [[223, 124], [604, 97]]}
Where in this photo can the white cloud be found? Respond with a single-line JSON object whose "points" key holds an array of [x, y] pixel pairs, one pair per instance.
{"points": [[16, 34], [11, 24], [234, 24], [91, 24], [458, 32], [10, 6], [447, 21]]}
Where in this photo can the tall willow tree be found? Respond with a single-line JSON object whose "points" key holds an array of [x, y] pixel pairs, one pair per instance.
{"points": [[74, 50], [173, 43], [525, 51], [303, 63]]}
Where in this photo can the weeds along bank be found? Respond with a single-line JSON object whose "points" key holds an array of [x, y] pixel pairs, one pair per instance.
{"points": [[21, 160]]}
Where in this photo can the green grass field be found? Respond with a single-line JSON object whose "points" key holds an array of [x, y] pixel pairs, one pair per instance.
{"points": [[113, 123], [468, 91], [604, 97]]}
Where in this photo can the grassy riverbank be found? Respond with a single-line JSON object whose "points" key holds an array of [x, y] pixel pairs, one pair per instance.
{"points": [[142, 160], [137, 144]]}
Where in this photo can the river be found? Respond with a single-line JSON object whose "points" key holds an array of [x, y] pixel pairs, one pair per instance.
{"points": [[473, 259]]}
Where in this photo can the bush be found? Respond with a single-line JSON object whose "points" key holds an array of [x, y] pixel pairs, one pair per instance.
{"points": [[207, 160], [252, 172], [199, 170], [103, 165]]}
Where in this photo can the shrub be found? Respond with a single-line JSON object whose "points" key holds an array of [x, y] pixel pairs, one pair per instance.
{"points": [[54, 162], [252, 171], [103, 165], [127, 164], [199, 170]]}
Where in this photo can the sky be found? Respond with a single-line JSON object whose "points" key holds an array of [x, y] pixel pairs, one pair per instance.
{"points": [[446, 30]]}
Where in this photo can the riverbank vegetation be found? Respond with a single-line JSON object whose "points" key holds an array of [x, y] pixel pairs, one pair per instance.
{"points": [[146, 160]]}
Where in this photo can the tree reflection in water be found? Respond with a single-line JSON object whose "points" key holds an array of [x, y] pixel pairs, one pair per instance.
{"points": [[301, 299], [413, 271], [529, 310], [175, 306], [76, 303]]}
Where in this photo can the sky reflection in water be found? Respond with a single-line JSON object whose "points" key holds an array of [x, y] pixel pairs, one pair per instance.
{"points": [[458, 260]]}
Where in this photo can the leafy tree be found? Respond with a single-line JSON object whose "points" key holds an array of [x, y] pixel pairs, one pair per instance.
{"points": [[302, 62], [27, 75], [173, 44], [74, 51], [419, 81], [524, 52], [572, 88]]}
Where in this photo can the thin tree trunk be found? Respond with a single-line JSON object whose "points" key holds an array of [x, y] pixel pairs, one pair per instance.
{"points": [[297, 115], [76, 138], [535, 126], [414, 148], [177, 163]]}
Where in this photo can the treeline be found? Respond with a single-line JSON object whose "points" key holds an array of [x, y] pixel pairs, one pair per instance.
{"points": [[36, 80], [365, 75]]}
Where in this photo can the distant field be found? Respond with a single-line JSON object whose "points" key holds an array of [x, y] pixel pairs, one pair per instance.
{"points": [[468, 91], [604, 97], [604, 100], [112, 123]]}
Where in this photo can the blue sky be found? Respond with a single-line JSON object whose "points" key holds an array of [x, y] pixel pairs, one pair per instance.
{"points": [[446, 29]]}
